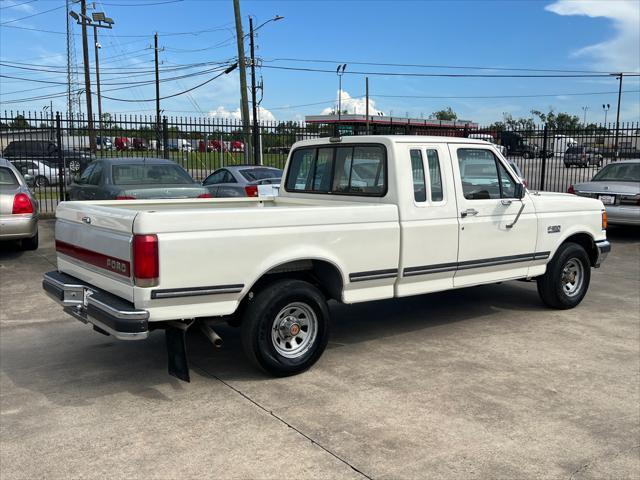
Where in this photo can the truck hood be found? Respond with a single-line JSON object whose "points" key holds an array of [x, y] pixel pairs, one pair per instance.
{"points": [[166, 191], [548, 202]]}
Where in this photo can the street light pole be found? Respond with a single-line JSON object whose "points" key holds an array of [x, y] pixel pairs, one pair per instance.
{"points": [[340, 72], [97, 47], [606, 108], [87, 76], [97, 20], [618, 112]]}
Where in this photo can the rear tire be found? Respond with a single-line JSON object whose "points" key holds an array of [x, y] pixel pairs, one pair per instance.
{"points": [[41, 182], [285, 328], [566, 281], [30, 243]]}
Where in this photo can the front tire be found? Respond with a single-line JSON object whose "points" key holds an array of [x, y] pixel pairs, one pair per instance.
{"points": [[566, 281], [41, 182], [285, 328]]}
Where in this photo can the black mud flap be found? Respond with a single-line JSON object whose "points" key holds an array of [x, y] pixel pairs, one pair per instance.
{"points": [[177, 353]]}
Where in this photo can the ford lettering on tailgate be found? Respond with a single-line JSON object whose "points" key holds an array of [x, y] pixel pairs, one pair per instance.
{"points": [[116, 265]]}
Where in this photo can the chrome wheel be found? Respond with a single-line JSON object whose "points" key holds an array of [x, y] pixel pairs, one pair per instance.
{"points": [[572, 277], [294, 330]]}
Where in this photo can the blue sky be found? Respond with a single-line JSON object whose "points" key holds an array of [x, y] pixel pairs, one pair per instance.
{"points": [[566, 34]]}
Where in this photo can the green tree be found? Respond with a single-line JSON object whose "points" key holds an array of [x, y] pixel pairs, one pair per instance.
{"points": [[446, 114], [20, 122], [558, 121]]}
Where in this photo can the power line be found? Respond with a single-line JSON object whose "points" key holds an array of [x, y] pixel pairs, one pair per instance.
{"points": [[453, 67], [446, 75], [141, 4], [165, 34], [17, 4], [32, 15]]}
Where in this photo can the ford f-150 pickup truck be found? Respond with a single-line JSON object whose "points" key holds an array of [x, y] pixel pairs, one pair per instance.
{"points": [[358, 219]]}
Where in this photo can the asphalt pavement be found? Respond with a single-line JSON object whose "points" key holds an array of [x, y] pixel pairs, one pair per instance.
{"points": [[478, 383]]}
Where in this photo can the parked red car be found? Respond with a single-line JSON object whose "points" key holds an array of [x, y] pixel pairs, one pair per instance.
{"points": [[122, 143], [237, 146]]}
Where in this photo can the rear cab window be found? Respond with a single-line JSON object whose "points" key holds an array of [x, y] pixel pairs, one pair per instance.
{"points": [[426, 175], [356, 169]]}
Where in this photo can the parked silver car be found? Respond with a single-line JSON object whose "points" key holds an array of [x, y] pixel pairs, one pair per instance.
{"points": [[617, 186], [244, 181], [18, 208]]}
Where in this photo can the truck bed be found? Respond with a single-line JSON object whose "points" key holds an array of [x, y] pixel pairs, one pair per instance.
{"points": [[216, 243]]}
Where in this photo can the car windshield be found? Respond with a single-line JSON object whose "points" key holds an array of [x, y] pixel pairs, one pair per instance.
{"points": [[151, 174], [255, 174], [7, 177], [619, 172]]}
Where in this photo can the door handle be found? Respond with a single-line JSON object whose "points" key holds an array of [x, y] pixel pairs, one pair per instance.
{"points": [[468, 212], [506, 203]]}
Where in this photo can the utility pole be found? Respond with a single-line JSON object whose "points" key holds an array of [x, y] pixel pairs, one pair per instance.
{"points": [[155, 47], [244, 101], [70, 76], [618, 113], [254, 104], [367, 102], [584, 119], [87, 76], [97, 47]]}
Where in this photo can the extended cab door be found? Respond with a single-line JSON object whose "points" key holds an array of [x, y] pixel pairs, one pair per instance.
{"points": [[428, 219], [492, 247]]}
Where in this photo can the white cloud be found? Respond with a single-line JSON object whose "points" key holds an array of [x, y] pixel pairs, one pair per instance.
{"points": [[352, 105], [622, 51], [221, 112]]}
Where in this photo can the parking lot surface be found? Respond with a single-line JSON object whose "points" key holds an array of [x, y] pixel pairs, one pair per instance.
{"points": [[478, 383]]}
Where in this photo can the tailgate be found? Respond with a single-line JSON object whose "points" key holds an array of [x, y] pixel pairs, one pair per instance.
{"points": [[93, 243]]}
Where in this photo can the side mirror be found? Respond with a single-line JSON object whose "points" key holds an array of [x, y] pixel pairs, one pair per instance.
{"points": [[29, 180], [519, 191]]}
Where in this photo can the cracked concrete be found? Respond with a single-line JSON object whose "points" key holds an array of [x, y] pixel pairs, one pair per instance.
{"points": [[476, 383]]}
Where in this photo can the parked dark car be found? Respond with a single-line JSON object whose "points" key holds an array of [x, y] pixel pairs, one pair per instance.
{"points": [[47, 151], [104, 143], [243, 181], [582, 157], [135, 178], [140, 144]]}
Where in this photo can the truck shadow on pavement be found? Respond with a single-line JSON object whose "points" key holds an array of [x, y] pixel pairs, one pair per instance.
{"points": [[69, 364]]}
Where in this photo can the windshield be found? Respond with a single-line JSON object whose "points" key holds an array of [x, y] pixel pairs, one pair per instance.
{"points": [[255, 174], [141, 174], [619, 172]]}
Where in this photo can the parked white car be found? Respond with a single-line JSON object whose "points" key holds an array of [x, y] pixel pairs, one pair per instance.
{"points": [[44, 172], [358, 219]]}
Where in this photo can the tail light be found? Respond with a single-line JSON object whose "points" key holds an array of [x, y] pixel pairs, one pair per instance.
{"points": [[252, 190], [571, 190], [146, 269], [22, 204], [205, 195], [125, 197], [604, 220]]}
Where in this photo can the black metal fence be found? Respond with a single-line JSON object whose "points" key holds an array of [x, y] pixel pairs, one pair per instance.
{"points": [[549, 157]]}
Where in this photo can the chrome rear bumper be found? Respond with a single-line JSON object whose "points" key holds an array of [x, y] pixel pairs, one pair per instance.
{"points": [[106, 312]]}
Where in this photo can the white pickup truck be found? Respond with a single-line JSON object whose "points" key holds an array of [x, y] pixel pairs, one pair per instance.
{"points": [[358, 219]]}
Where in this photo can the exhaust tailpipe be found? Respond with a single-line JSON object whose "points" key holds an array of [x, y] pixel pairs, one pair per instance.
{"points": [[210, 333]]}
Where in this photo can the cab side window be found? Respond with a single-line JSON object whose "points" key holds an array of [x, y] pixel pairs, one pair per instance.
{"points": [[435, 176], [417, 173], [84, 178], [483, 176]]}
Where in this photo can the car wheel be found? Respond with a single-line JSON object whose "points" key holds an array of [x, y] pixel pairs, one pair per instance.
{"points": [[526, 155], [566, 281], [30, 243], [74, 166], [285, 327], [41, 182]]}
